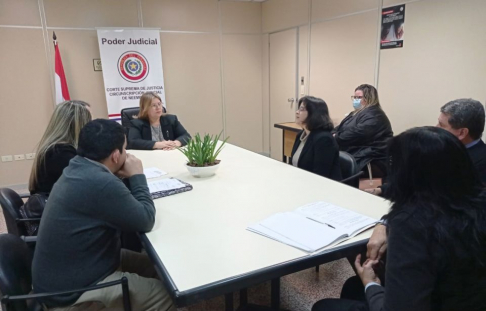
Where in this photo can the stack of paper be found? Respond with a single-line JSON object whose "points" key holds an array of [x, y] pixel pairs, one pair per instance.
{"points": [[153, 172], [313, 226]]}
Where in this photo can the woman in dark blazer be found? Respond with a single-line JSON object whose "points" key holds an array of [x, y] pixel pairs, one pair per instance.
{"points": [[315, 150], [365, 131], [436, 232], [155, 129]]}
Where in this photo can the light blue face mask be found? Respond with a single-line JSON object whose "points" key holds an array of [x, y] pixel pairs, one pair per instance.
{"points": [[356, 103]]}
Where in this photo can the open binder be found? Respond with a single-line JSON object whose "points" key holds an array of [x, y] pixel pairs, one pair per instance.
{"points": [[313, 226]]}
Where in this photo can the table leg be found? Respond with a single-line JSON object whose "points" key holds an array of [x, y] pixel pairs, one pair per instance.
{"points": [[243, 297], [275, 294], [228, 301]]}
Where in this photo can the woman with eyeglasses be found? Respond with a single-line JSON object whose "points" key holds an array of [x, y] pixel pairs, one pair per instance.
{"points": [[315, 150], [155, 129], [436, 232], [365, 131]]}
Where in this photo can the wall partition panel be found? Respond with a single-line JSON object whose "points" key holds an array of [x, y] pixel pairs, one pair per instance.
{"points": [[326, 9], [192, 80], [442, 59], [181, 15], [243, 90], [342, 57], [91, 13], [19, 13], [25, 99]]}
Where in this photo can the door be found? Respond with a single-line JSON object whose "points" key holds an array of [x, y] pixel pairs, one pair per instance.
{"points": [[283, 85]]}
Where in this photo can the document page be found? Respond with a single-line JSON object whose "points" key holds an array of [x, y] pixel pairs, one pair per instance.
{"points": [[302, 230], [337, 217], [153, 172], [257, 228], [165, 185]]}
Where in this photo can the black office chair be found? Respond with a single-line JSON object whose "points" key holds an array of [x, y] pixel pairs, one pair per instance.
{"points": [[349, 169], [127, 115], [16, 278], [11, 203]]}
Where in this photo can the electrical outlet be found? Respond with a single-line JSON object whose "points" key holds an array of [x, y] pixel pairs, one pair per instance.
{"points": [[30, 156], [7, 158], [19, 157]]}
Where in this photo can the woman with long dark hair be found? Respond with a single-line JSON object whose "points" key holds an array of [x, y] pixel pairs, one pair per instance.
{"points": [[315, 150], [436, 258]]}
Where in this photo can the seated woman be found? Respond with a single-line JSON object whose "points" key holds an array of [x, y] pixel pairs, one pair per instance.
{"points": [[58, 145], [436, 232], [154, 129], [365, 131], [315, 150]]}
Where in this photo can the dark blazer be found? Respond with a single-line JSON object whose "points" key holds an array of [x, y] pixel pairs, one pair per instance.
{"points": [[478, 157], [420, 274], [365, 135], [320, 154], [56, 160], [140, 134]]}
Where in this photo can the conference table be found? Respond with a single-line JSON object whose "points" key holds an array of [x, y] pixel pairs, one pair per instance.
{"points": [[199, 244]]}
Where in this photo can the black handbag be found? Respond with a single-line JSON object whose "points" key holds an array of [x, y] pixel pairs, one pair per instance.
{"points": [[33, 208]]}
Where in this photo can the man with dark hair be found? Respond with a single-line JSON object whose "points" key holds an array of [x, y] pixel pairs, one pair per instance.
{"points": [[79, 237], [465, 119]]}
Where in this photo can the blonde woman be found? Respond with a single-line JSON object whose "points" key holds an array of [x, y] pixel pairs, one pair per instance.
{"points": [[58, 145], [155, 129], [365, 131]]}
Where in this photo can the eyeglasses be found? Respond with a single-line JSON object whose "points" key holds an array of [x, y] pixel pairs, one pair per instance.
{"points": [[302, 108], [155, 106], [356, 97]]}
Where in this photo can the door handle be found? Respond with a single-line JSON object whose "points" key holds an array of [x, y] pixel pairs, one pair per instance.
{"points": [[291, 100]]}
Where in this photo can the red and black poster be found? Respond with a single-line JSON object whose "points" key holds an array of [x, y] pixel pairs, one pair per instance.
{"points": [[392, 27]]}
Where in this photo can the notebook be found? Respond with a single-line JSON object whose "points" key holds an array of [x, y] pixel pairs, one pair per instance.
{"points": [[314, 226], [168, 186]]}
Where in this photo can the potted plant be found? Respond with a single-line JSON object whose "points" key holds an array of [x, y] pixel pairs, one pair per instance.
{"points": [[201, 154]]}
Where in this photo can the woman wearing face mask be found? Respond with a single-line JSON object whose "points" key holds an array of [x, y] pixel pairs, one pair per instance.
{"points": [[365, 131], [155, 129], [315, 150]]}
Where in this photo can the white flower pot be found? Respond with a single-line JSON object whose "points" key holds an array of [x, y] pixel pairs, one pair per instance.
{"points": [[203, 171]]}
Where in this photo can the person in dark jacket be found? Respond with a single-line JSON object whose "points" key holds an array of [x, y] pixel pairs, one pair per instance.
{"points": [[58, 145], [154, 129], [365, 131], [79, 237], [465, 119], [315, 150], [436, 256]]}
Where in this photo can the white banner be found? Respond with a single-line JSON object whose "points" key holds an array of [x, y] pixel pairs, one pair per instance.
{"points": [[132, 65]]}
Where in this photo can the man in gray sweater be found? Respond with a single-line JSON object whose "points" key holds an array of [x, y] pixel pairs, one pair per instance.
{"points": [[79, 237]]}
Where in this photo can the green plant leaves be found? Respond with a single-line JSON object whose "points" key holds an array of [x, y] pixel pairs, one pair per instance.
{"points": [[202, 151]]}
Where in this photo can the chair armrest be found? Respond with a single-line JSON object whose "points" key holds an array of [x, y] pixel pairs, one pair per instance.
{"points": [[352, 177], [29, 239], [28, 219], [86, 289]]}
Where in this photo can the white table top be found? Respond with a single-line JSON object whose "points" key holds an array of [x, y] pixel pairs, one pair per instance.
{"points": [[200, 236]]}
